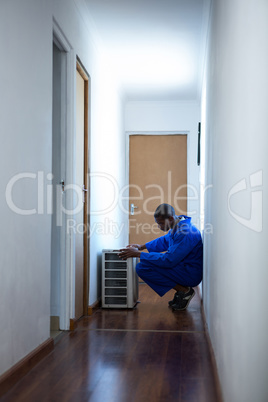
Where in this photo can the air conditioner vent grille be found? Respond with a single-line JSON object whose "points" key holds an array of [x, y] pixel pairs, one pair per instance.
{"points": [[115, 265], [116, 283], [115, 300], [111, 256], [115, 274], [116, 292]]}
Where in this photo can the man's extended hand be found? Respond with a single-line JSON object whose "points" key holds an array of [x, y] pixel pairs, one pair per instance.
{"points": [[128, 252], [137, 246]]}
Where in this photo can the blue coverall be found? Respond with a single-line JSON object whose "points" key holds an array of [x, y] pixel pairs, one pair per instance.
{"points": [[182, 263]]}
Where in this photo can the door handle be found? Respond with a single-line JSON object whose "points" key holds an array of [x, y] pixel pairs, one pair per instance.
{"points": [[62, 185], [84, 189], [132, 207]]}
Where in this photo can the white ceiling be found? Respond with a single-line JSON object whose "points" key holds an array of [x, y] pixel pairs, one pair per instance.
{"points": [[155, 46]]}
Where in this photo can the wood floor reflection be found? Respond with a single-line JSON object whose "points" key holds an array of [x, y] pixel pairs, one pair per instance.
{"points": [[146, 354]]}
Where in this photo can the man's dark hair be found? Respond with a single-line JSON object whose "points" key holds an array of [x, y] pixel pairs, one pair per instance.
{"points": [[164, 211]]}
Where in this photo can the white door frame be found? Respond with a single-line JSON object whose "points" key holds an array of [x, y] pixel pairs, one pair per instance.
{"points": [[67, 255]]}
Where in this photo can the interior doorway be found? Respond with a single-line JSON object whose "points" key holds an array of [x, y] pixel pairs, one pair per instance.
{"points": [[157, 174], [82, 194], [58, 179]]}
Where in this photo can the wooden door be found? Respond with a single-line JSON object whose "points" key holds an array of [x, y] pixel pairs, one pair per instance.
{"points": [[157, 174], [81, 194]]}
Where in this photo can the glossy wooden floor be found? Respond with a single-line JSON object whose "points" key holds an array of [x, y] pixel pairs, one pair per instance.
{"points": [[148, 354]]}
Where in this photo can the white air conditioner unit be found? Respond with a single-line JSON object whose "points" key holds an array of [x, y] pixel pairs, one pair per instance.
{"points": [[120, 286]]}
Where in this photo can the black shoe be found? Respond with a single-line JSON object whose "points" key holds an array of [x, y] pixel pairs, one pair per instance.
{"points": [[173, 301], [177, 296], [181, 300]]}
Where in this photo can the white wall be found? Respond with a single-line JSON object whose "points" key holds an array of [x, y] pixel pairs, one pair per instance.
{"points": [[236, 254], [171, 116], [109, 224], [25, 114], [26, 146]]}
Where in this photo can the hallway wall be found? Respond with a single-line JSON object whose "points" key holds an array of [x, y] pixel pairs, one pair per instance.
{"points": [[26, 146], [171, 116], [235, 100]]}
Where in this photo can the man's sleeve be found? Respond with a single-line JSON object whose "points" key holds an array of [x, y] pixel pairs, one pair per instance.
{"points": [[158, 245], [175, 254]]}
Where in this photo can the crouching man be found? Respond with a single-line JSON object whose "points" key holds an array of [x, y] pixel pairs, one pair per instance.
{"points": [[174, 261]]}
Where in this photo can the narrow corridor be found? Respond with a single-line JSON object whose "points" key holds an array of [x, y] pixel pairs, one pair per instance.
{"points": [[146, 354]]}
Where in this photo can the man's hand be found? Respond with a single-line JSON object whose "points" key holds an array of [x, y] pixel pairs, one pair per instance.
{"points": [[138, 246], [128, 252]]}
